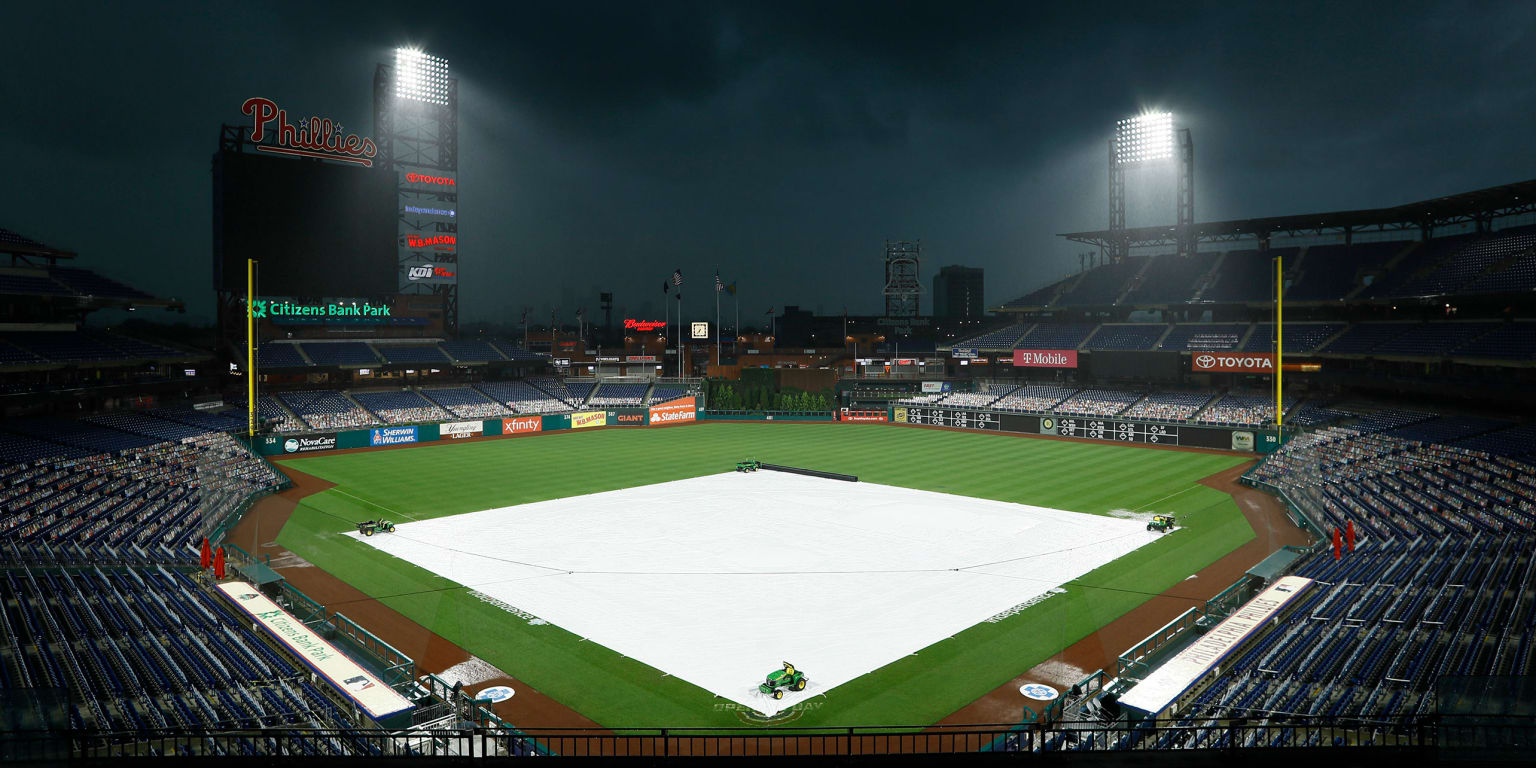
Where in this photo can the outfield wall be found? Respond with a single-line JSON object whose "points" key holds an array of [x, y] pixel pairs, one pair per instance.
{"points": [[678, 411], [1248, 439]]}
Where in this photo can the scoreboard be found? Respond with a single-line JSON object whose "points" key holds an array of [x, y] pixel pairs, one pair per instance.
{"points": [[946, 417], [1111, 429]]}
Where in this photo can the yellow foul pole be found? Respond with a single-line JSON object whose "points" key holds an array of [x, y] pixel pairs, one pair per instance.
{"points": [[1279, 341]]}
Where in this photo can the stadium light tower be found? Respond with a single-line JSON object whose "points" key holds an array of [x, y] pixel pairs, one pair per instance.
{"points": [[1151, 138], [416, 124]]}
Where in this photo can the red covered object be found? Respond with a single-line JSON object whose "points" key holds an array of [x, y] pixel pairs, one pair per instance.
{"points": [[207, 557], [1349, 534], [218, 563]]}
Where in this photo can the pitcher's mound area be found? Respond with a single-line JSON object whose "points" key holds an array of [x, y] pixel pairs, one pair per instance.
{"points": [[719, 579]]}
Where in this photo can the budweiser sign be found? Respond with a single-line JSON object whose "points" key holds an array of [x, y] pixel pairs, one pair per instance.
{"points": [[1045, 358], [1232, 362], [643, 326], [311, 137]]}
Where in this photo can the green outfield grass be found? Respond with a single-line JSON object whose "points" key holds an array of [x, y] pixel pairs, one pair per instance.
{"points": [[452, 478]]}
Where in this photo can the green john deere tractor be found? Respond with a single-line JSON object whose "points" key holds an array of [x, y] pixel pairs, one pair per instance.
{"points": [[781, 679], [1161, 523], [370, 527], [750, 465]]}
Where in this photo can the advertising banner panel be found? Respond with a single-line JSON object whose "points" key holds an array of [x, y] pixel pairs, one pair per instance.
{"points": [[589, 419], [458, 430], [863, 416], [674, 411], [309, 443], [965, 353], [1232, 362], [345, 675], [522, 425], [629, 419], [1045, 358], [392, 435], [431, 272]]}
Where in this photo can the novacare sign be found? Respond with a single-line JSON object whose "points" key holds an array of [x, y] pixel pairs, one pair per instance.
{"points": [[348, 677], [1228, 362], [1045, 358]]}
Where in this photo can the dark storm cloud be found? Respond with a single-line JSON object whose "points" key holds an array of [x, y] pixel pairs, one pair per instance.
{"points": [[605, 144]]}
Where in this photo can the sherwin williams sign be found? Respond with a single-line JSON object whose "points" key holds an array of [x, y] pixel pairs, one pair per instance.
{"points": [[674, 411], [392, 436], [1045, 358], [522, 425], [589, 419], [348, 677]]}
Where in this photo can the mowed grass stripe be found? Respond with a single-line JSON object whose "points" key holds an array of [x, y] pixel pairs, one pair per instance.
{"points": [[454, 478]]}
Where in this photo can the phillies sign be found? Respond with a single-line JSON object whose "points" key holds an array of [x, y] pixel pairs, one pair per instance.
{"points": [[312, 137], [1228, 362], [1045, 358]]}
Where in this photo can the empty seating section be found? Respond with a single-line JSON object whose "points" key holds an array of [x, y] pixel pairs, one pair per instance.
{"points": [[142, 423], [1470, 262], [1055, 336], [88, 283], [155, 496], [466, 403], [274, 354], [664, 392], [400, 407], [77, 434], [1331, 272], [1246, 276], [515, 352], [1412, 263], [1299, 337], [1518, 276], [324, 409], [1002, 338], [619, 394], [1311, 415], [1098, 402], [1171, 278], [28, 282], [1244, 410], [1169, 406], [523, 397], [1103, 284], [411, 353], [340, 353], [1362, 338], [471, 351], [145, 648], [1205, 337], [1126, 337], [1432, 339], [74, 346], [1516, 341], [10, 354], [1038, 297], [974, 399], [1515, 442], [1445, 429], [579, 391], [1035, 398]]}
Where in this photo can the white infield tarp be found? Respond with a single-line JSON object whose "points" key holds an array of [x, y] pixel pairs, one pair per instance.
{"points": [[718, 579]]}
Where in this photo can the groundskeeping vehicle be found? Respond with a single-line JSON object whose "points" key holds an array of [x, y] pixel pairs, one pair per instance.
{"points": [[1161, 523], [750, 465], [370, 527], [780, 680]]}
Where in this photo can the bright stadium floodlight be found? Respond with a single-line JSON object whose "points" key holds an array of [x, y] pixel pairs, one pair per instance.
{"points": [[420, 76], [1144, 138]]}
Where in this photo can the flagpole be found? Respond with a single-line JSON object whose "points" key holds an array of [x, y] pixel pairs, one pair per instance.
{"points": [[718, 288]]}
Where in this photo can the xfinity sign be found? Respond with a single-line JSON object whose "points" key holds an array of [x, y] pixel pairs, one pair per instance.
{"points": [[1228, 362]]}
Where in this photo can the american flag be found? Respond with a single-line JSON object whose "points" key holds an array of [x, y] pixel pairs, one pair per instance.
{"points": [[719, 286], [677, 277]]}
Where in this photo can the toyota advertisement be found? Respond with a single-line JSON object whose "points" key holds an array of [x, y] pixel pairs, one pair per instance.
{"points": [[674, 411], [1232, 362], [1045, 358]]}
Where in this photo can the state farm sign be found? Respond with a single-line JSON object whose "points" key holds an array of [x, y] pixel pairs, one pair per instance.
{"points": [[1232, 362], [1045, 358], [673, 411]]}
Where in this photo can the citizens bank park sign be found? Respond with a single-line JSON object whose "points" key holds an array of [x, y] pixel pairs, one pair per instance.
{"points": [[1232, 362]]}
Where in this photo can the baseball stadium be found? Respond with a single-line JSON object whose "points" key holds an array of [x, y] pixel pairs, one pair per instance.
{"points": [[1263, 484]]}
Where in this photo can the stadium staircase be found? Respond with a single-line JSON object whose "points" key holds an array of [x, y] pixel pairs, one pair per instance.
{"points": [[1208, 279], [303, 355], [1134, 282], [1387, 268], [347, 394], [1336, 334], [1243, 340], [1162, 337], [1090, 336]]}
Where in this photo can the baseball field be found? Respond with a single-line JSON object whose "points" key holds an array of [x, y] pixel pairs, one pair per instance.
{"points": [[423, 483]]}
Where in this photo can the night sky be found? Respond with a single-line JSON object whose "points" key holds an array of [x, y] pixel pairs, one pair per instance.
{"points": [[604, 145]]}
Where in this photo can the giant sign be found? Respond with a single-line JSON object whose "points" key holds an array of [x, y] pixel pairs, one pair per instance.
{"points": [[1045, 358], [674, 411], [392, 435], [345, 675], [313, 137], [1232, 362]]}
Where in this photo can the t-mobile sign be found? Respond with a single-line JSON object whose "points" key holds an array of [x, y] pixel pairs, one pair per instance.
{"points": [[1045, 358]]}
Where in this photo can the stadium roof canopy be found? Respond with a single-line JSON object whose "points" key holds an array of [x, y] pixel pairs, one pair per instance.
{"points": [[17, 245], [1480, 208], [33, 278]]}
